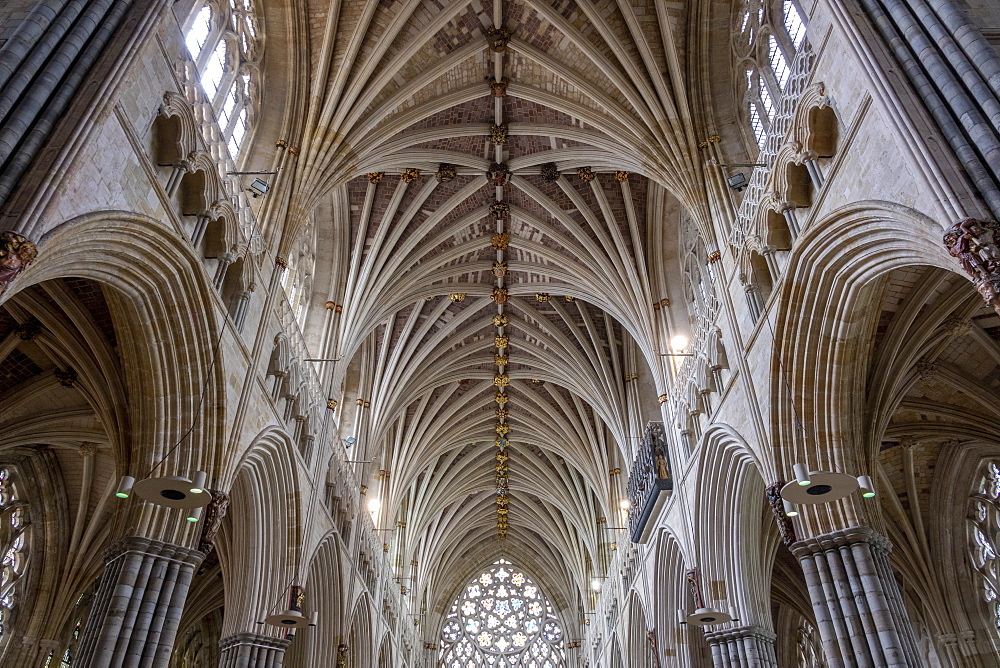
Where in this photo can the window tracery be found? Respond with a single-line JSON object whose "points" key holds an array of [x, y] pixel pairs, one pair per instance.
{"points": [[770, 33], [298, 278], [223, 39], [15, 544], [502, 619], [985, 536]]}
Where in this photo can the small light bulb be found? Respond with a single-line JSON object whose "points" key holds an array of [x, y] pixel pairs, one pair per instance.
{"points": [[595, 584], [125, 487], [195, 514], [624, 504], [789, 507], [198, 484], [679, 343], [374, 505], [801, 475]]}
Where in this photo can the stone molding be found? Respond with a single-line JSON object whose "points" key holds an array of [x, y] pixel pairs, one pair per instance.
{"points": [[254, 640], [750, 631], [841, 538], [151, 547]]}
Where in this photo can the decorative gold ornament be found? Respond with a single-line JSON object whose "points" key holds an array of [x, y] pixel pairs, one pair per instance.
{"points": [[498, 134], [500, 241], [281, 144], [501, 398], [339, 308], [498, 88], [498, 39], [550, 172], [293, 150], [500, 360], [499, 295], [502, 468], [621, 176], [656, 306], [541, 297], [383, 474], [445, 172], [375, 177], [280, 262], [662, 398], [501, 428], [457, 296], [501, 413], [501, 320], [664, 303], [714, 257], [499, 209], [570, 299], [537, 381], [331, 404], [501, 443], [501, 380], [586, 174], [615, 471], [499, 269], [501, 341], [502, 456], [409, 175], [329, 306]]}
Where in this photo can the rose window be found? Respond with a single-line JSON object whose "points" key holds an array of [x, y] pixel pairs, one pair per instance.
{"points": [[501, 619]]}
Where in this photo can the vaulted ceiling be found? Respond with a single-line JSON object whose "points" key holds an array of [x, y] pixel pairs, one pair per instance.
{"points": [[405, 85]]}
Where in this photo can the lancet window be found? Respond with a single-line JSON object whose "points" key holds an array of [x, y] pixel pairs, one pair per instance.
{"points": [[985, 538], [14, 544], [500, 620], [769, 35], [223, 39]]}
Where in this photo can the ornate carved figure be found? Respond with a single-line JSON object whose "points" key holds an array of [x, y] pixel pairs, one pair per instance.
{"points": [[500, 295], [498, 174], [499, 270], [498, 39], [498, 88], [409, 175], [498, 134], [212, 522], [500, 241], [550, 172], [972, 242], [445, 172], [16, 253], [621, 176], [785, 526], [499, 209], [501, 341], [500, 360], [586, 174], [375, 177]]}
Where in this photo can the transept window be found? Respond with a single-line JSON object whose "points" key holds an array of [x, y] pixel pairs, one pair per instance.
{"points": [[223, 42], [769, 34], [502, 619], [985, 518], [14, 546]]}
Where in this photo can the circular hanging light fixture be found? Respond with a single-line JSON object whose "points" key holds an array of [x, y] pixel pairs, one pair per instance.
{"points": [[707, 617], [173, 491], [820, 487]]}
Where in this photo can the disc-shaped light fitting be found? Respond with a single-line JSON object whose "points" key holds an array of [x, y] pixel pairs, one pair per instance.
{"points": [[288, 619], [172, 492], [708, 617], [824, 487]]}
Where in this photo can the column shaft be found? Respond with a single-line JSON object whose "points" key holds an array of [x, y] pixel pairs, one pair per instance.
{"points": [[252, 650], [743, 647]]}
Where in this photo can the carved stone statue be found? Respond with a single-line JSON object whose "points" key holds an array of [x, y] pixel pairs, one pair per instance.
{"points": [[498, 38], [214, 514], [785, 526], [16, 253], [972, 242]]}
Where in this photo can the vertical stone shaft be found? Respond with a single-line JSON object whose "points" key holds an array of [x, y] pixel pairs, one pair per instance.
{"points": [[858, 605], [750, 646], [252, 650], [138, 604]]}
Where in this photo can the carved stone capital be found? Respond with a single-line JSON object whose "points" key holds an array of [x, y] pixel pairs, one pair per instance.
{"points": [[16, 254], [841, 538]]}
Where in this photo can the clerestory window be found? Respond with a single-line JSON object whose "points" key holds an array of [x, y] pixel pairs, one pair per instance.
{"points": [[14, 546], [769, 35], [984, 519], [500, 620], [224, 43]]}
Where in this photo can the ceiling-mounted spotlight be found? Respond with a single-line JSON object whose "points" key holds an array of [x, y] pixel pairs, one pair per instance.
{"points": [[867, 486], [737, 181], [258, 187], [813, 487], [790, 510], [172, 491], [596, 584], [195, 514], [706, 617], [125, 487]]}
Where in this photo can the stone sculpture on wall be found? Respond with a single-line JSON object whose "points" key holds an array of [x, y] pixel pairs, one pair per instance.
{"points": [[16, 253], [972, 242]]}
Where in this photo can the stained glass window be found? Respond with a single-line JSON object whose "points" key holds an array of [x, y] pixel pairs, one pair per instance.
{"points": [[502, 619], [984, 519], [14, 546]]}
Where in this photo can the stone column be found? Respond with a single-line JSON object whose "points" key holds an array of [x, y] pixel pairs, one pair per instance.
{"points": [[252, 650], [858, 605], [138, 604], [750, 646]]}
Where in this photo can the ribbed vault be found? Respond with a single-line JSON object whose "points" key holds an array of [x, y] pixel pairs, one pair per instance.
{"points": [[403, 133]]}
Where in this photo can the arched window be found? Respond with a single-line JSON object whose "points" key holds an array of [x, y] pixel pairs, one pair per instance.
{"points": [[502, 619], [224, 44], [770, 33], [14, 546], [984, 520]]}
